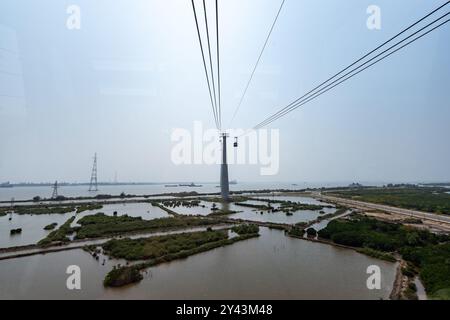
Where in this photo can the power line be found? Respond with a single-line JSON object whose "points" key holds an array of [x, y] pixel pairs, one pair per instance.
{"points": [[362, 58], [210, 61], [346, 68], [204, 65], [256, 64], [218, 64], [292, 107], [350, 75]]}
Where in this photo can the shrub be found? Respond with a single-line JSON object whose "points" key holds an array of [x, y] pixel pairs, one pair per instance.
{"points": [[246, 229], [311, 232]]}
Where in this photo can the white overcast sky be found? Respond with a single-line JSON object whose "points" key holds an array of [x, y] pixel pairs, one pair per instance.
{"points": [[133, 73]]}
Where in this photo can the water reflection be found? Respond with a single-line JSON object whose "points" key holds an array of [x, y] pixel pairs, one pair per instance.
{"points": [[272, 266], [33, 225]]}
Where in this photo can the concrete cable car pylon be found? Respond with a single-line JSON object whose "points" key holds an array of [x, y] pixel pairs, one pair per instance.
{"points": [[224, 182]]}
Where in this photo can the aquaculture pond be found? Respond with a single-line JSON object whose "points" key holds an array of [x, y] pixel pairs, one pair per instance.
{"points": [[32, 225], [293, 217], [273, 266]]}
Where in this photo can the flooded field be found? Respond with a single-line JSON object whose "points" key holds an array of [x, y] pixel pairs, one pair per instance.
{"points": [[276, 217], [247, 213], [33, 225], [203, 209], [272, 266], [253, 214]]}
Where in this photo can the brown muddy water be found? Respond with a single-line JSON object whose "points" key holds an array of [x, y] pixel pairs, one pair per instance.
{"points": [[272, 266]]}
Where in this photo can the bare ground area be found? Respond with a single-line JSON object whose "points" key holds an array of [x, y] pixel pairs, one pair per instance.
{"points": [[432, 222]]}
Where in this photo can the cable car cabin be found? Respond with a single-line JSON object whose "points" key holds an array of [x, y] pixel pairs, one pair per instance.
{"points": [[235, 142]]}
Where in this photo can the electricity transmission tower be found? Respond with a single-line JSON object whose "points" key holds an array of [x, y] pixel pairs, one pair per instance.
{"points": [[93, 186], [55, 190]]}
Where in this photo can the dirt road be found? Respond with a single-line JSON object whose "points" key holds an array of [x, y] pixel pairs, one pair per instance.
{"points": [[374, 206]]}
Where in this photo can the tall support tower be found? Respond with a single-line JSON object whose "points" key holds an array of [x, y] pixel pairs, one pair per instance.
{"points": [[224, 183], [93, 186], [55, 190]]}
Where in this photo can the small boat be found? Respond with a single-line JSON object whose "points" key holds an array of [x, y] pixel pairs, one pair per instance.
{"points": [[191, 185], [6, 185]]}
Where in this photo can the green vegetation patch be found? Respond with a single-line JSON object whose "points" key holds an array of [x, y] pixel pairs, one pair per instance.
{"points": [[297, 231], [59, 235], [222, 212], [236, 198], [166, 209], [287, 207], [378, 235], [377, 254], [411, 291], [87, 207], [429, 253], [53, 209], [43, 209], [311, 232], [99, 225], [155, 247], [181, 203], [118, 277], [416, 198], [433, 262], [442, 294], [50, 226], [259, 207], [129, 274], [246, 229]]}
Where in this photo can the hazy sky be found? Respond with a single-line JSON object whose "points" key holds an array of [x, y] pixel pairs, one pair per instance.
{"points": [[133, 73]]}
